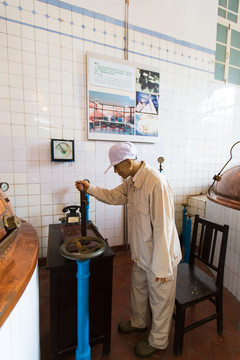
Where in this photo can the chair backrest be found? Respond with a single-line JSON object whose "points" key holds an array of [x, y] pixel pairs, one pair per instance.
{"points": [[212, 246]]}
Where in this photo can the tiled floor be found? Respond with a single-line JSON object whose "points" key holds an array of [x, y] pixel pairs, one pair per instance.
{"points": [[200, 344]]}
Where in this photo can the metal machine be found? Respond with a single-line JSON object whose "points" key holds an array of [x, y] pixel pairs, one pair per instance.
{"points": [[9, 222]]}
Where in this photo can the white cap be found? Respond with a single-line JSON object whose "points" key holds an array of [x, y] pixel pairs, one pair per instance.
{"points": [[120, 152]]}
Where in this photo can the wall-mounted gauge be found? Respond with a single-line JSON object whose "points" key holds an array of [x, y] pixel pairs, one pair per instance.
{"points": [[62, 150], [160, 160], [4, 186]]}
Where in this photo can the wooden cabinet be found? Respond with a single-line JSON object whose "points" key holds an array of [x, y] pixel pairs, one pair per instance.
{"points": [[63, 295]]}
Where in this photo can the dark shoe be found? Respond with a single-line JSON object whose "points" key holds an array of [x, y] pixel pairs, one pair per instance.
{"points": [[144, 349], [126, 327]]}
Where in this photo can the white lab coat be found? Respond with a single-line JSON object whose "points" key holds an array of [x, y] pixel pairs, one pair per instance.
{"points": [[152, 232]]}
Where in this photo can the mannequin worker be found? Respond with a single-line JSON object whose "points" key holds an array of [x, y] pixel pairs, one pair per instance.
{"points": [[154, 244]]}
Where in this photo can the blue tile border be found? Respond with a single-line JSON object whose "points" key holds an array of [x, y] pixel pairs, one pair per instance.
{"points": [[170, 39], [82, 11], [171, 62], [59, 33], [111, 20], [102, 44]]}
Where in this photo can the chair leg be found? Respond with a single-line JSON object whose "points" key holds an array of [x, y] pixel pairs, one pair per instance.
{"points": [[179, 330], [220, 314]]}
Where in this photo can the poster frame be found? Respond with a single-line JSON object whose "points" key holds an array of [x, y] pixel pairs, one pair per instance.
{"points": [[113, 87]]}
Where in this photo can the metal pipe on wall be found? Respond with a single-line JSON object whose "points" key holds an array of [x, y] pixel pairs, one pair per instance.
{"points": [[125, 222], [126, 29]]}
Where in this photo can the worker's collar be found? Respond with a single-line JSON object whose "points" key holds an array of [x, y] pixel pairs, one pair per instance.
{"points": [[137, 179]]}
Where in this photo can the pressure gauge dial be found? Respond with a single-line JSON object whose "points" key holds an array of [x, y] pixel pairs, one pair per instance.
{"points": [[4, 186], [160, 159], [62, 150]]}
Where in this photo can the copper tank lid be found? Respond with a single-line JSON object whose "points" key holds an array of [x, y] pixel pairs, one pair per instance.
{"points": [[225, 189]]}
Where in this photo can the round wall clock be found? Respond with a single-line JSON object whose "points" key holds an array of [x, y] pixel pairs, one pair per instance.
{"points": [[62, 150]]}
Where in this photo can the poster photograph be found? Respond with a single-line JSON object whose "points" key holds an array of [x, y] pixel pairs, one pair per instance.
{"points": [[111, 113], [147, 103], [122, 100], [147, 81]]}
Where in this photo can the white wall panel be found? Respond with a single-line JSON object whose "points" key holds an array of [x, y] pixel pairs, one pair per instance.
{"points": [[43, 96]]}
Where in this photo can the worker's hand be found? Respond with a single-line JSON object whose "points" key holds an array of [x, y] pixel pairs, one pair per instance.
{"points": [[163, 280], [82, 185]]}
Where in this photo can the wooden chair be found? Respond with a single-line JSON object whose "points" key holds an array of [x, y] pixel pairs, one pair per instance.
{"points": [[194, 285]]}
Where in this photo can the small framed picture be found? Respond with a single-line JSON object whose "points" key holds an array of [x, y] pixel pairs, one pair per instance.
{"points": [[62, 150]]}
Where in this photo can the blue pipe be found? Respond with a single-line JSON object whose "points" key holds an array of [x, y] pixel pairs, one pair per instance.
{"points": [[188, 240], [87, 207], [83, 351]]}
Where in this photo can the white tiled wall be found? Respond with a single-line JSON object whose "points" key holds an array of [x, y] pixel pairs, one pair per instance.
{"points": [[223, 215], [197, 205], [19, 335], [43, 46]]}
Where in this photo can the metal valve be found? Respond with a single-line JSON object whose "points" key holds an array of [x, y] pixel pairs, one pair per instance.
{"points": [[85, 247], [11, 222]]}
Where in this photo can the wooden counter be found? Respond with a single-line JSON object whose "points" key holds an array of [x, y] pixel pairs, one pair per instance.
{"points": [[16, 268]]}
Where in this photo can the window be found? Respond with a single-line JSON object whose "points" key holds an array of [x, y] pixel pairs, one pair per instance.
{"points": [[227, 64], [228, 9]]}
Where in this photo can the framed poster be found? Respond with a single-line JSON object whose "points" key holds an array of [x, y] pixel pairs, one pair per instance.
{"points": [[122, 100]]}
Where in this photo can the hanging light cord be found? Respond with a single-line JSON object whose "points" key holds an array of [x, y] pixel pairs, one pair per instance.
{"points": [[217, 177]]}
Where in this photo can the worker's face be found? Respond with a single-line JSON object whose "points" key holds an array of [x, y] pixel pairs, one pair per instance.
{"points": [[123, 169]]}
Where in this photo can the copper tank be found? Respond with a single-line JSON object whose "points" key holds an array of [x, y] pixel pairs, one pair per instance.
{"points": [[226, 189]]}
